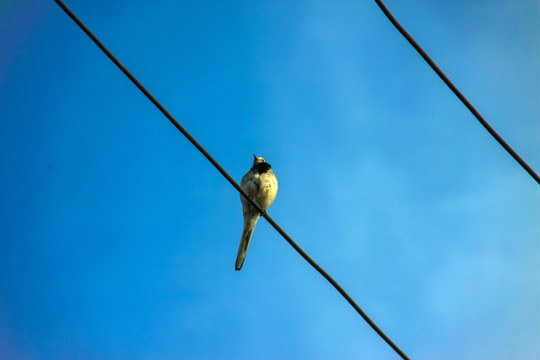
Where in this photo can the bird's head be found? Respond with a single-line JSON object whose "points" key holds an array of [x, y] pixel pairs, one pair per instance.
{"points": [[260, 165], [257, 160]]}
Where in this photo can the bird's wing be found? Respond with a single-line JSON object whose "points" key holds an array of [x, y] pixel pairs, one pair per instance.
{"points": [[250, 184]]}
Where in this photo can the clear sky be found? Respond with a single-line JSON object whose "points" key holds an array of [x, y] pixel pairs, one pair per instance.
{"points": [[118, 239]]}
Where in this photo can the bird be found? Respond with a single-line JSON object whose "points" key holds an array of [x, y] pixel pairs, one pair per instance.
{"points": [[261, 185]]}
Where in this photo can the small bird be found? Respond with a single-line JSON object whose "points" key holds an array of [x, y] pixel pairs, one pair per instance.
{"points": [[261, 185]]}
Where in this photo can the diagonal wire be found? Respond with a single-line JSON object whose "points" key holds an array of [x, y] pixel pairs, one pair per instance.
{"points": [[231, 180], [458, 93]]}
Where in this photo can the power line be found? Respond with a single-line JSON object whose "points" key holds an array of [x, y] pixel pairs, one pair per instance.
{"points": [[455, 90], [231, 180]]}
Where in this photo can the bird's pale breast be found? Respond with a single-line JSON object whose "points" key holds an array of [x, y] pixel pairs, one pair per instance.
{"points": [[268, 190]]}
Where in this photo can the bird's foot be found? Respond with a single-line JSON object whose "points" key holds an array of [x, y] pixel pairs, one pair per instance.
{"points": [[263, 213]]}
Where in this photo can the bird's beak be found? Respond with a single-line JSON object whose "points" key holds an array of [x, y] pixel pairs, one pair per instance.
{"points": [[254, 157]]}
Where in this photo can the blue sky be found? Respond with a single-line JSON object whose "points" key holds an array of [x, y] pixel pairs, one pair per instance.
{"points": [[118, 239]]}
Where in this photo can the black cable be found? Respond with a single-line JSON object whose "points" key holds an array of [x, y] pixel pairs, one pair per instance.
{"points": [[230, 179], [461, 97]]}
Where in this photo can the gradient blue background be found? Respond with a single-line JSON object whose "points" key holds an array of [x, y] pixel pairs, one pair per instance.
{"points": [[118, 239]]}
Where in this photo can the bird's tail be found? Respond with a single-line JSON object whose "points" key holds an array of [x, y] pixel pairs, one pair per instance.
{"points": [[249, 225]]}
